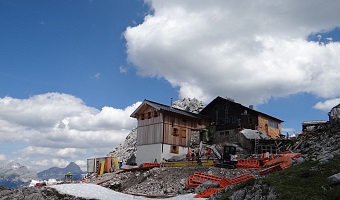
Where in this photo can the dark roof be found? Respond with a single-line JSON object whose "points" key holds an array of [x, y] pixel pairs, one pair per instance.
{"points": [[159, 106], [230, 101]]}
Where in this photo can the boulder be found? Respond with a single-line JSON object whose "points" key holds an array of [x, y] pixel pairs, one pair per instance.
{"points": [[334, 179]]}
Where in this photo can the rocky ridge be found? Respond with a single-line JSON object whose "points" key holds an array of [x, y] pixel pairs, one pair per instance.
{"points": [[188, 104], [13, 174]]}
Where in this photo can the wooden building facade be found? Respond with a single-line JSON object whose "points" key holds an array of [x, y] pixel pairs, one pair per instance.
{"points": [[164, 131], [228, 115]]}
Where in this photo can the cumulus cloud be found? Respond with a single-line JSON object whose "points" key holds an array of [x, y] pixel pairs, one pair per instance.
{"points": [[251, 51], [327, 105], [46, 151], [60, 126]]}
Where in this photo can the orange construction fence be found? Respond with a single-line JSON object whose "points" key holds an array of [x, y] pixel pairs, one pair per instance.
{"points": [[151, 165], [223, 182], [248, 164], [198, 178], [276, 164]]}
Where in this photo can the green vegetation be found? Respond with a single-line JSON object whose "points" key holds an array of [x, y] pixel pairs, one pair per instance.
{"points": [[307, 180]]}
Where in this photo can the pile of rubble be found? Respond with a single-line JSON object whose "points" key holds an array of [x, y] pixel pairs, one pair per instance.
{"points": [[320, 145], [164, 181]]}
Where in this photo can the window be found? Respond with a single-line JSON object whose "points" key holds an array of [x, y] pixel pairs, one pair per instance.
{"points": [[174, 132], [149, 115], [184, 120], [233, 119], [273, 124], [224, 133], [251, 121], [155, 114], [142, 116], [174, 149], [184, 133]]}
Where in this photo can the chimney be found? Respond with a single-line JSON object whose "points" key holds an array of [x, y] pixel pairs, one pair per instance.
{"points": [[251, 107]]}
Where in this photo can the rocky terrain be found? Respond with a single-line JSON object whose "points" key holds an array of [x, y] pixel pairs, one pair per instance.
{"points": [[13, 174], [188, 104], [34, 193], [166, 181]]}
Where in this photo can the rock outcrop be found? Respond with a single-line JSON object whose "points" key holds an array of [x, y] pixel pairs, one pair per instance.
{"points": [[188, 104], [126, 151], [334, 114]]}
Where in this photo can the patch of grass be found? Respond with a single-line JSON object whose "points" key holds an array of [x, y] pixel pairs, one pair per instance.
{"points": [[307, 180]]}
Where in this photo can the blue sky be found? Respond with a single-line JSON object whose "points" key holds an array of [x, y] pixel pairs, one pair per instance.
{"points": [[71, 72]]}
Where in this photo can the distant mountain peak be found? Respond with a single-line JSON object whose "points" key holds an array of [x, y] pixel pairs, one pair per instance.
{"points": [[13, 174], [59, 173], [189, 104]]}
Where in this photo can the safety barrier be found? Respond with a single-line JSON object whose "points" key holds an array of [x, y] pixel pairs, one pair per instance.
{"points": [[277, 160], [269, 170], [151, 165], [224, 182], [198, 178], [248, 164], [277, 164]]}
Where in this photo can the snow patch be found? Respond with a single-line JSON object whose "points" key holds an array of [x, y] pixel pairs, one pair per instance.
{"points": [[98, 192]]}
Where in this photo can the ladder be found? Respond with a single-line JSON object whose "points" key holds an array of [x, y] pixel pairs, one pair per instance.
{"points": [[256, 147]]}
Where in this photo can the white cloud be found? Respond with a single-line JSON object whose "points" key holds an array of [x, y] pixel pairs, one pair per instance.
{"points": [[123, 69], [251, 51], [327, 105], [82, 164], [2, 157], [51, 162], [52, 152], [56, 126]]}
